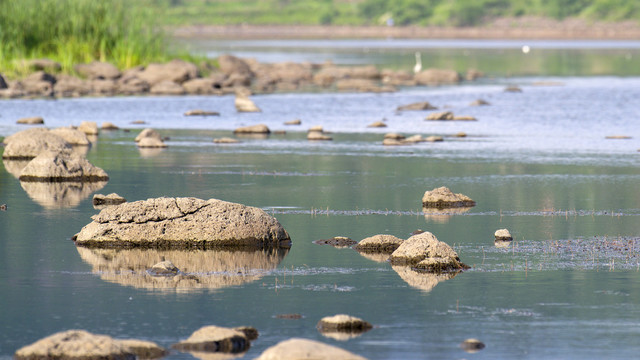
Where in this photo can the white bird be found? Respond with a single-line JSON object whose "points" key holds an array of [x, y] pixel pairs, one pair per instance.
{"points": [[418, 67]]}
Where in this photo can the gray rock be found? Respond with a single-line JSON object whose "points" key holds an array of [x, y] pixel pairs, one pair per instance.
{"points": [[215, 339], [426, 253], [177, 71], [386, 244], [443, 198], [253, 129], [62, 165], [202, 86], [71, 86], [304, 349], [183, 223], [98, 70], [103, 87], [230, 64], [425, 105], [30, 143], [77, 345]]}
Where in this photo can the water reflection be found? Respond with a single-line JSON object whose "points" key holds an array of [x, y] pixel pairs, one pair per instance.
{"points": [[202, 269], [442, 216], [420, 280], [15, 167], [150, 152], [58, 195]]}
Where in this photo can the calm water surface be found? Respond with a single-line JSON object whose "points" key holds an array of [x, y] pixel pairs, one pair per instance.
{"points": [[536, 162]]}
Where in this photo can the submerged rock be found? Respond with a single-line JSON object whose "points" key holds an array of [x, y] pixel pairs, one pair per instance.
{"points": [[62, 165], [304, 349], [336, 241], [425, 252], [183, 223], [225, 140], [444, 115], [293, 122], [34, 120], [379, 244], [111, 199], [215, 339], [253, 129], [443, 198], [201, 113], [425, 105], [472, 345]]}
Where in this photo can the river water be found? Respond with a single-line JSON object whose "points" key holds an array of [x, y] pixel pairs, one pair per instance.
{"points": [[537, 163]]}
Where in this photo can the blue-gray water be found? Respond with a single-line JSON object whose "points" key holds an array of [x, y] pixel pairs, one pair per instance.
{"points": [[536, 162]]}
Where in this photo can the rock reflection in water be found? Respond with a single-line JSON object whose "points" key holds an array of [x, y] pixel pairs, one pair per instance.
{"points": [[150, 152], [420, 280], [15, 167], [56, 195], [377, 257], [442, 216], [200, 269]]}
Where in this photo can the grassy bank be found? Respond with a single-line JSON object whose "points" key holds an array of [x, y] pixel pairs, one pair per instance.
{"points": [[376, 12], [77, 31]]}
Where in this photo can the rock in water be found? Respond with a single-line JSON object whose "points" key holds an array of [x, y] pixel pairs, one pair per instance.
{"points": [[244, 104], [304, 349], [426, 253], [343, 323], [443, 198], [77, 345], [215, 339], [28, 144], [111, 199], [183, 223], [62, 165], [503, 235], [379, 244]]}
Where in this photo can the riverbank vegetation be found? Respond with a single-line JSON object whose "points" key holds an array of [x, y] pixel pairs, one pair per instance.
{"points": [[374, 12], [78, 31]]}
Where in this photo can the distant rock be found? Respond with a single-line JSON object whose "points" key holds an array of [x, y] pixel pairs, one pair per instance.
{"points": [[111, 199], [44, 64], [62, 165], [424, 252], [176, 71], [304, 349], [88, 127], [148, 132], [434, 138], [97, 70], [460, 134], [503, 235], [473, 74], [442, 198], [28, 144], [377, 124], [472, 345], [445, 115], [293, 122], [317, 128], [435, 77], [343, 324], [73, 136], [464, 118], [151, 142], [414, 139], [244, 104], [618, 137], [424, 105], [336, 241], [479, 102], [215, 339], [144, 349], [167, 87], [318, 136], [201, 113], [253, 129], [164, 268], [34, 120], [226, 140], [393, 142], [230, 64], [513, 89], [394, 136], [107, 125], [183, 223], [379, 244]]}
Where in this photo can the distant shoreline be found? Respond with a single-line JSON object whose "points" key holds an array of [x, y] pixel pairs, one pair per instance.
{"points": [[525, 28]]}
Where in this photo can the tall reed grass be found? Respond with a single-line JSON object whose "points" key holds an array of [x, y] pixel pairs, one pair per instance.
{"points": [[78, 31]]}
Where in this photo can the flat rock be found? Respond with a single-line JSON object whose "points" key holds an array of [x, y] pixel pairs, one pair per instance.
{"points": [[424, 105], [464, 118], [183, 223], [253, 129], [293, 122], [304, 349], [379, 244], [444, 115], [343, 323], [199, 112], [426, 253], [62, 165], [414, 139], [434, 138], [215, 339], [76, 345], [513, 89], [72, 136], [226, 140], [393, 142], [503, 235], [442, 198], [244, 104], [394, 136], [34, 120], [111, 199]]}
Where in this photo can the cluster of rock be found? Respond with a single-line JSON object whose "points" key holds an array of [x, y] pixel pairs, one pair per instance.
{"points": [[52, 155], [183, 223], [179, 77]]}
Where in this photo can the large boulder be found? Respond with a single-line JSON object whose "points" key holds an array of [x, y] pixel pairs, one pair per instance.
{"points": [[253, 129], [30, 143], [379, 244], [183, 223], [72, 136], [215, 339], [434, 77], [98, 70], [443, 198], [76, 345], [62, 165], [304, 349], [426, 253]]}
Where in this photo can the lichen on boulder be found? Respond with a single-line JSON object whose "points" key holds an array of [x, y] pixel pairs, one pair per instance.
{"points": [[183, 223], [424, 252], [443, 198]]}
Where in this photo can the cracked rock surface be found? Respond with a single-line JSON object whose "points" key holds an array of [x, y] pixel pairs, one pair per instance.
{"points": [[183, 223]]}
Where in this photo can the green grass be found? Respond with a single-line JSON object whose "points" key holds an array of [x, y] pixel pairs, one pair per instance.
{"points": [[78, 31]]}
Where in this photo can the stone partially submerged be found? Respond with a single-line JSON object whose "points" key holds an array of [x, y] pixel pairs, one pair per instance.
{"points": [[381, 243], [215, 339], [28, 144], [304, 349], [424, 252], [83, 345], [442, 198], [343, 323], [183, 223], [62, 165]]}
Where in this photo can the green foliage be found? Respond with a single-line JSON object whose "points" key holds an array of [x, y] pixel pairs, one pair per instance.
{"points": [[77, 31]]}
